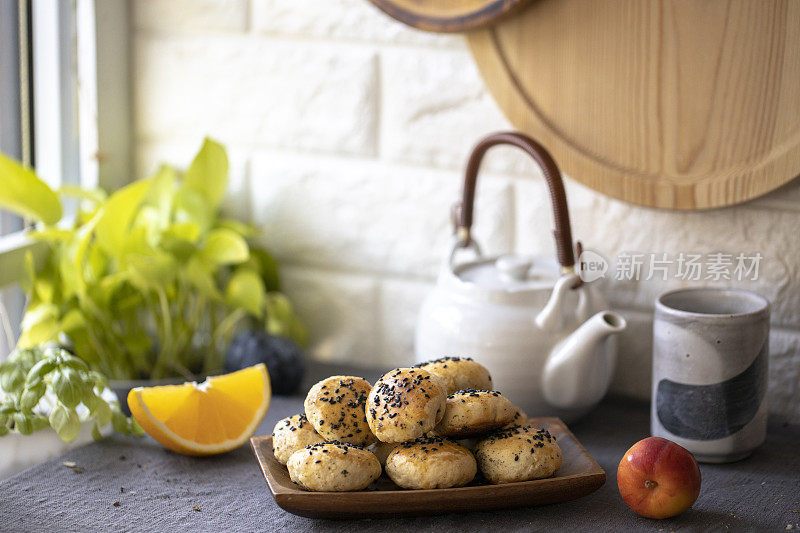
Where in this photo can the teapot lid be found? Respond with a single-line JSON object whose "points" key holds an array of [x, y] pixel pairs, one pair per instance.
{"points": [[509, 273]]}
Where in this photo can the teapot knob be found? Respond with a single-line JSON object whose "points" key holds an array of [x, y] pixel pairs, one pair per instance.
{"points": [[514, 267]]}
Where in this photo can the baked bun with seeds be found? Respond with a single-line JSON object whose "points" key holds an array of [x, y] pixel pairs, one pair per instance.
{"points": [[333, 466], [405, 404], [291, 434], [459, 373], [431, 463], [520, 453], [520, 418], [335, 407], [471, 412]]}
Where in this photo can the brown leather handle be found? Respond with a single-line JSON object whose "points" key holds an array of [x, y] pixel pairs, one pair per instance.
{"points": [[562, 232]]}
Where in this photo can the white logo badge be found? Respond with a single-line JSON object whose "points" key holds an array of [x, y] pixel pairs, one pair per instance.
{"points": [[592, 266]]}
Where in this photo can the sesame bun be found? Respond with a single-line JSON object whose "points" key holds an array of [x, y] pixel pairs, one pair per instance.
{"points": [[520, 453], [431, 463], [520, 418], [292, 434], [470, 412], [459, 373], [405, 404], [333, 466], [335, 407]]}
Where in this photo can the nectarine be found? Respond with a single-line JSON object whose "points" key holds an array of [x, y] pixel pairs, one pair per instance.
{"points": [[658, 478]]}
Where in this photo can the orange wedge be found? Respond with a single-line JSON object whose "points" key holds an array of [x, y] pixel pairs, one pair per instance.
{"points": [[207, 418]]}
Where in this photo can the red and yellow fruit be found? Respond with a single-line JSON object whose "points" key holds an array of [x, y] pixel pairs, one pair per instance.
{"points": [[658, 478]]}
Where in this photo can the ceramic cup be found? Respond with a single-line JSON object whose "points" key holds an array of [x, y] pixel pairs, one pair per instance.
{"points": [[710, 354]]}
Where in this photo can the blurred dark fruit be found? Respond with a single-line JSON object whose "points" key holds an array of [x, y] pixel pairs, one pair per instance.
{"points": [[284, 359]]}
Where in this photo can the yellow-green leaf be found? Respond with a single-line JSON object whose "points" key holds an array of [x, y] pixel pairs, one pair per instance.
{"points": [[162, 192], [118, 213], [74, 319], [39, 325], [246, 290], [224, 247], [196, 273], [208, 173], [183, 231], [191, 207], [242, 228], [25, 194], [97, 196]]}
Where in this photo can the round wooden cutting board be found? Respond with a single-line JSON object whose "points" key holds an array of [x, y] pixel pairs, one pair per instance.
{"points": [[680, 104], [447, 15]]}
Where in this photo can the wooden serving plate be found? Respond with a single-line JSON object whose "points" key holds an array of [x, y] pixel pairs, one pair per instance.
{"points": [[578, 476], [679, 104]]}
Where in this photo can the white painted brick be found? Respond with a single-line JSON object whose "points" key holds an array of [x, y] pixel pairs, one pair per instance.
{"points": [[400, 302], [340, 19], [189, 15], [256, 91], [339, 311], [237, 197], [435, 107], [369, 216], [609, 227], [633, 373], [784, 376]]}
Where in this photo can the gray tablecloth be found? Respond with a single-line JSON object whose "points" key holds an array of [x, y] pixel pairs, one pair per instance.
{"points": [[126, 484]]}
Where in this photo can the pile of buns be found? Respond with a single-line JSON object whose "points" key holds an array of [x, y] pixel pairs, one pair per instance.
{"points": [[430, 426]]}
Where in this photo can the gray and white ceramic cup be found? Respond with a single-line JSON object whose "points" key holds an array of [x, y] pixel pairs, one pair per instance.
{"points": [[710, 355]]}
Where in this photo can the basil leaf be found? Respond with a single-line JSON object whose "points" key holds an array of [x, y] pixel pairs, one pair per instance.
{"points": [[40, 422], [100, 410], [75, 363], [23, 424], [13, 380], [31, 396], [68, 386], [66, 422], [120, 423], [135, 429], [35, 374]]}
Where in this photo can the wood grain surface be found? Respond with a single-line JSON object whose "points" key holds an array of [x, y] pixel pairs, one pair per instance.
{"points": [[578, 476], [447, 16], [678, 104]]}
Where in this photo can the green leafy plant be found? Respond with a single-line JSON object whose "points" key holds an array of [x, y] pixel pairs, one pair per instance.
{"points": [[49, 387], [150, 281]]}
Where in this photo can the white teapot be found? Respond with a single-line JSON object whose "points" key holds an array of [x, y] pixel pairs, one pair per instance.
{"points": [[545, 335]]}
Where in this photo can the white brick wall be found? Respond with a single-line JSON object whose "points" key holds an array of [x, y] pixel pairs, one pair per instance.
{"points": [[348, 133]]}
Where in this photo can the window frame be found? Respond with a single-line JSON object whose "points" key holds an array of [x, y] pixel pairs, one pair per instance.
{"points": [[80, 92]]}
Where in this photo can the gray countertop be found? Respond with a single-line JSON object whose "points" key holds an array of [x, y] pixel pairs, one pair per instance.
{"points": [[127, 484]]}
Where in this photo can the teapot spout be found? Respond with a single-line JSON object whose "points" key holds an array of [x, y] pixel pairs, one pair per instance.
{"points": [[550, 318], [577, 373]]}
